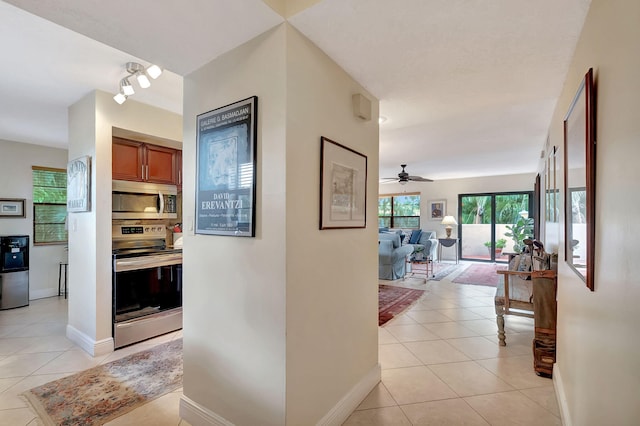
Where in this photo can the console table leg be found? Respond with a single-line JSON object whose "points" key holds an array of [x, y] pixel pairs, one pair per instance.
{"points": [[501, 336]]}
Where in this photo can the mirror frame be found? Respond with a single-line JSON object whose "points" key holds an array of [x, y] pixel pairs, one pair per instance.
{"points": [[576, 121]]}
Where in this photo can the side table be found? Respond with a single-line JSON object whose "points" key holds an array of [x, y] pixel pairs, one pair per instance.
{"points": [[447, 242]]}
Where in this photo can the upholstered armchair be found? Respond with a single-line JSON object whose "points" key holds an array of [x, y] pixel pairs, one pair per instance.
{"points": [[392, 256]]}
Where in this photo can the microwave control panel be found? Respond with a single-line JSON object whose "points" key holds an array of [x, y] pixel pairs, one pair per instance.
{"points": [[126, 232]]}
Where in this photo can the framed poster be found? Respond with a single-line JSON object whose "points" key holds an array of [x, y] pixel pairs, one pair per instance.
{"points": [[12, 207], [437, 209], [580, 181], [343, 186], [79, 184], [226, 143]]}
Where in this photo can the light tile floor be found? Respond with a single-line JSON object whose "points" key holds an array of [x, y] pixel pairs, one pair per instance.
{"points": [[441, 364], [34, 351]]}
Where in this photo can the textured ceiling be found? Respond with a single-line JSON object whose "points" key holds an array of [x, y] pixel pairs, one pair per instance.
{"points": [[467, 87]]}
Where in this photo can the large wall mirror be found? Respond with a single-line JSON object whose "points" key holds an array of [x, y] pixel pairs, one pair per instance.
{"points": [[580, 175]]}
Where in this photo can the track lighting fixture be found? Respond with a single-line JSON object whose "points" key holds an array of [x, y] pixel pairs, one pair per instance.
{"points": [[141, 74]]}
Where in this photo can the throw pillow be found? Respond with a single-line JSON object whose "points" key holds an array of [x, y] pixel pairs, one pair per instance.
{"points": [[415, 236]]}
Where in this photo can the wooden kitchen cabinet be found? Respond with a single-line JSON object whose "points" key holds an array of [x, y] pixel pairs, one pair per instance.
{"points": [[142, 162], [127, 160]]}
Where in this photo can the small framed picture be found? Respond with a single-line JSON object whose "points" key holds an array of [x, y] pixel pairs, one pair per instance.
{"points": [[12, 207], [437, 209], [79, 185], [343, 186]]}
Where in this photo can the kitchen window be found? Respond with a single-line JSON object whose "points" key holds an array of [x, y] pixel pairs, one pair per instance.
{"points": [[49, 205]]}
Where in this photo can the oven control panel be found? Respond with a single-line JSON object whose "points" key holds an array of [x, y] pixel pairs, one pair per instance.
{"points": [[132, 232]]}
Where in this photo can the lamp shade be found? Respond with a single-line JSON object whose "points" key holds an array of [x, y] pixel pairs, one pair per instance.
{"points": [[449, 220]]}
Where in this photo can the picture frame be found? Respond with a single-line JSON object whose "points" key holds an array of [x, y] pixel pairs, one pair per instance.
{"points": [[580, 179], [12, 208], [343, 186], [79, 185], [437, 209], [226, 146]]}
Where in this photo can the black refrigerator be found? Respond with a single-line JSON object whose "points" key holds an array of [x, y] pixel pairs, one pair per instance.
{"points": [[14, 271]]}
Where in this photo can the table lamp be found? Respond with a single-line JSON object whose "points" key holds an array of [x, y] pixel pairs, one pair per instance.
{"points": [[449, 220]]}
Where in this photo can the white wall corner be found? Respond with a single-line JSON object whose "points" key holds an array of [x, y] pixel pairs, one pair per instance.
{"points": [[87, 344], [341, 411], [561, 396], [197, 415]]}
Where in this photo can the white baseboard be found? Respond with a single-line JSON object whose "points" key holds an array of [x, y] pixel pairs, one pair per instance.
{"points": [[196, 415], [42, 293], [87, 344], [343, 409], [561, 396]]}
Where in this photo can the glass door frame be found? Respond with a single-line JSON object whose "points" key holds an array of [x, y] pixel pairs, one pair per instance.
{"points": [[492, 196]]}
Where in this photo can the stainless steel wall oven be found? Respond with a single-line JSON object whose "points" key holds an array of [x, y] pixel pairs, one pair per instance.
{"points": [[147, 284]]}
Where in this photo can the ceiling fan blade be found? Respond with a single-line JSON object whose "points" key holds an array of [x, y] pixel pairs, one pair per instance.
{"points": [[420, 179], [387, 180]]}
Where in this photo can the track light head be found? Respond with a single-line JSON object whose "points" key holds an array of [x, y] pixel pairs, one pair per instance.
{"points": [[143, 80], [126, 87], [120, 98], [154, 71]]}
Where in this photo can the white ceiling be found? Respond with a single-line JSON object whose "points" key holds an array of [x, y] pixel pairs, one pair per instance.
{"points": [[467, 87]]}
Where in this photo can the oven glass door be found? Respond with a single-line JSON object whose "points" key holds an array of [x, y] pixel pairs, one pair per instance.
{"points": [[146, 291]]}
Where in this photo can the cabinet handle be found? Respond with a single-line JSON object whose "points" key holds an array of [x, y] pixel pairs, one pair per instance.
{"points": [[142, 171], [180, 177], [147, 166]]}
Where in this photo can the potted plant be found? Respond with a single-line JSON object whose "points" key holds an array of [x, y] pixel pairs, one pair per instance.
{"points": [[519, 231], [500, 244]]}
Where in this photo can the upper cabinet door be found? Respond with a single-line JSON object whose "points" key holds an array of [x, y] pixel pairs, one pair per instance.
{"points": [[161, 164], [127, 162], [179, 169]]}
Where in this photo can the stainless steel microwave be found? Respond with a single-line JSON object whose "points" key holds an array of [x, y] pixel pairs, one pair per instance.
{"points": [[141, 200]]}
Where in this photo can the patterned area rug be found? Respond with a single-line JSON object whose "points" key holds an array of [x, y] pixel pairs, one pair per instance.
{"points": [[480, 274], [440, 270], [100, 394], [393, 300]]}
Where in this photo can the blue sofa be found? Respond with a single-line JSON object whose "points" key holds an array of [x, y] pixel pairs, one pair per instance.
{"points": [[392, 255]]}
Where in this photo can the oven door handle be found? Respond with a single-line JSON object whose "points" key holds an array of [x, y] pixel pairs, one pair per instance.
{"points": [[146, 262]]}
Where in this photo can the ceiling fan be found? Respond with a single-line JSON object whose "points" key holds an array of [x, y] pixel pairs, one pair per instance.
{"points": [[404, 177]]}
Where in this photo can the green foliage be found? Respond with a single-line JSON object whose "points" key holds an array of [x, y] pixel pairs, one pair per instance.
{"points": [[519, 231], [399, 211], [477, 209], [500, 244]]}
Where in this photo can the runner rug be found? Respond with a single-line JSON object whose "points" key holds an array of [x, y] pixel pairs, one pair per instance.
{"points": [[100, 394], [480, 274], [393, 300], [441, 270]]}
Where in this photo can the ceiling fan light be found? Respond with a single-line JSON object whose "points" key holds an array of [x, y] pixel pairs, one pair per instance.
{"points": [[402, 182], [154, 71], [126, 87], [120, 98], [143, 80]]}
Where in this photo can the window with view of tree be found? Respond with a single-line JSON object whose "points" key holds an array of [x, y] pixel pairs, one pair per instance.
{"points": [[399, 211], [49, 205]]}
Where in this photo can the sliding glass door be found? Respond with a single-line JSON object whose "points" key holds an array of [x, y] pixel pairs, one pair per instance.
{"points": [[493, 224]]}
